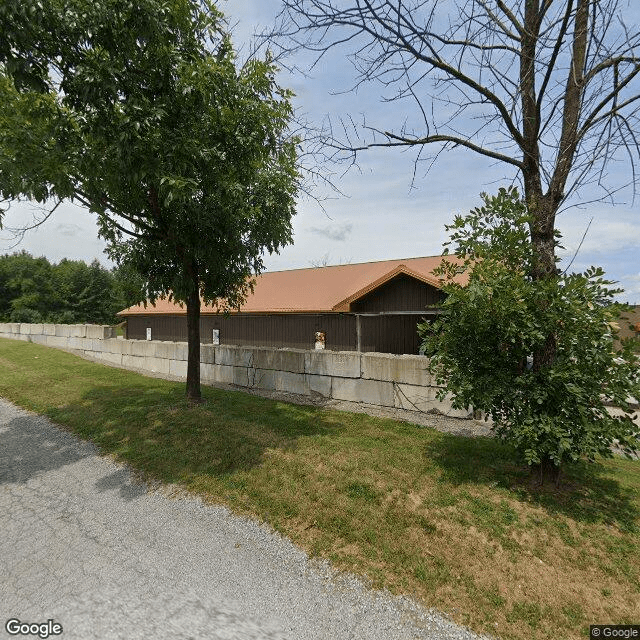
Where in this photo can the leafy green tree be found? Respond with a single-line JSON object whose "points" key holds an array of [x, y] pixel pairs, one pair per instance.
{"points": [[482, 346], [140, 112], [86, 293], [26, 291], [129, 287], [34, 290]]}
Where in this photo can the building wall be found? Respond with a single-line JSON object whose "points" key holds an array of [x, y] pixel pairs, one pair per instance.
{"points": [[382, 333], [386, 333], [401, 293], [399, 381]]}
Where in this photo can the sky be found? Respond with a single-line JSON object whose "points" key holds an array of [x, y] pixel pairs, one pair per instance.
{"points": [[382, 213]]}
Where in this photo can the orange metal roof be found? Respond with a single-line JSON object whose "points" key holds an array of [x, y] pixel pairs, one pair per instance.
{"points": [[317, 289]]}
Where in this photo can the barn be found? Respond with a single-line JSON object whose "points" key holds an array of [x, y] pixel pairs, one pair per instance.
{"points": [[371, 306]]}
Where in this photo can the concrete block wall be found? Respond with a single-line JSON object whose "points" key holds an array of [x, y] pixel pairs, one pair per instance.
{"points": [[399, 381]]}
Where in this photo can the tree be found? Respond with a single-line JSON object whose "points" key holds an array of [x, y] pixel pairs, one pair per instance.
{"points": [[482, 345], [26, 288], [549, 89], [83, 293], [34, 290], [181, 153]]}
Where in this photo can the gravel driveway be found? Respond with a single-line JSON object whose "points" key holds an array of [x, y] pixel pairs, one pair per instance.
{"points": [[87, 547]]}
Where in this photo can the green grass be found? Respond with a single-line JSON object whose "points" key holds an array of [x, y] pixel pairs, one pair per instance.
{"points": [[452, 521]]}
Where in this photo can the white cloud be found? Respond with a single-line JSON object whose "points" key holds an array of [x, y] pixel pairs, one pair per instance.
{"points": [[68, 229], [338, 233]]}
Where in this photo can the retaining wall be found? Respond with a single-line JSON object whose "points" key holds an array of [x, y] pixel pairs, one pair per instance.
{"points": [[387, 380]]}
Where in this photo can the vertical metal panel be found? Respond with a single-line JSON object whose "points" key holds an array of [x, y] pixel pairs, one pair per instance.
{"points": [[282, 330], [402, 293], [382, 333], [391, 333]]}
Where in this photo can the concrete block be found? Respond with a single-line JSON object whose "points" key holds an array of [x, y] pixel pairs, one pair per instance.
{"points": [[15, 327], [31, 329], [225, 354], [253, 378], [343, 364], [78, 331], [165, 350], [234, 356], [207, 372], [396, 368], [133, 362], [157, 365], [207, 354], [292, 382], [120, 346], [369, 391], [110, 345], [223, 373], [216, 373], [96, 345], [144, 348], [178, 368], [320, 385], [105, 356], [182, 351], [63, 330], [59, 342], [292, 360], [417, 398], [617, 412], [49, 329], [5, 327], [99, 331], [80, 343], [39, 339]]}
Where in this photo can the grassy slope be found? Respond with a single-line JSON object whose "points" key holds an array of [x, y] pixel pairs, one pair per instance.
{"points": [[449, 520]]}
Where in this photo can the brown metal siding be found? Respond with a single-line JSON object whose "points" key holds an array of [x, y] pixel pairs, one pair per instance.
{"points": [[390, 334], [296, 331], [402, 293], [383, 333], [162, 327]]}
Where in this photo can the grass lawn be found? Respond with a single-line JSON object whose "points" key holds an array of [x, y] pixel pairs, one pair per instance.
{"points": [[451, 521]]}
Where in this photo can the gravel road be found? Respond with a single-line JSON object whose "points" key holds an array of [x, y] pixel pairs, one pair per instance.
{"points": [[86, 546]]}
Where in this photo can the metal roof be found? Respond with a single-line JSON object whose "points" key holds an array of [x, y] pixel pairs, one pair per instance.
{"points": [[317, 289]]}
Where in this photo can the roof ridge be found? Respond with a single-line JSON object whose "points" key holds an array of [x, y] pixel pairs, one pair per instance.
{"points": [[353, 264]]}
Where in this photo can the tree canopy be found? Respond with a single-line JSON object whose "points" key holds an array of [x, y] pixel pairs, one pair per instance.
{"points": [[141, 112], [67, 292], [548, 89], [482, 346]]}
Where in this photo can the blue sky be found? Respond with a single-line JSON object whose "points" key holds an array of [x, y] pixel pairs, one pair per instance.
{"points": [[382, 215]]}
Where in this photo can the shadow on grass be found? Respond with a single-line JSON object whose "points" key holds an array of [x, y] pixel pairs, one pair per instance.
{"points": [[588, 493], [153, 428]]}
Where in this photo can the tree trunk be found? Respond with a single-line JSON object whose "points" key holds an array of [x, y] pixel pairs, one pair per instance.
{"points": [[547, 471], [193, 338]]}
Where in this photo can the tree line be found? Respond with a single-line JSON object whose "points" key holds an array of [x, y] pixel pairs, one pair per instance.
{"points": [[68, 292]]}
